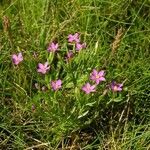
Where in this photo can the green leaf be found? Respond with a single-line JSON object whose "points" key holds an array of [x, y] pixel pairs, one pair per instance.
{"points": [[84, 114], [90, 104]]}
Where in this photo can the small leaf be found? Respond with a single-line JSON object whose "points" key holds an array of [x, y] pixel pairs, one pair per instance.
{"points": [[117, 100], [84, 114], [69, 85], [90, 104]]}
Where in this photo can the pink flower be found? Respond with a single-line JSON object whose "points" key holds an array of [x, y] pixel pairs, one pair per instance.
{"points": [[97, 76], [43, 68], [73, 38], [80, 46], [17, 58], [53, 47], [87, 88], [116, 86], [69, 55], [56, 85]]}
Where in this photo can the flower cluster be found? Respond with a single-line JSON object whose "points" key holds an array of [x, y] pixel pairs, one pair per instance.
{"points": [[75, 38], [96, 76]]}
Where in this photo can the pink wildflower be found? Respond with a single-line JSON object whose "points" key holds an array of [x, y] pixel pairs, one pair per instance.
{"points": [[97, 76], [116, 86], [56, 85], [53, 47], [17, 58], [80, 46], [69, 55], [73, 38], [43, 68], [87, 88]]}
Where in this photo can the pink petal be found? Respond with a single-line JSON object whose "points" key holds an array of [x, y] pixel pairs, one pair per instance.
{"points": [[76, 35], [93, 87], [120, 85], [41, 71], [52, 45], [59, 82], [101, 73], [78, 46], [84, 88], [53, 84], [92, 77], [77, 40], [97, 81], [102, 79], [87, 91], [88, 85], [56, 46], [14, 57], [70, 36], [20, 57], [41, 66], [95, 73], [119, 89]]}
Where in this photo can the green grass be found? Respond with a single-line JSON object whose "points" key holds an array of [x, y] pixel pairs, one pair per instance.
{"points": [[117, 37]]}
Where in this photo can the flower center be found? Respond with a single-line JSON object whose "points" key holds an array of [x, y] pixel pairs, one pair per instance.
{"points": [[88, 87], [97, 76], [115, 88]]}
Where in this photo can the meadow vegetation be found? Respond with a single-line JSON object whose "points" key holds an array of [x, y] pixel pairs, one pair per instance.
{"points": [[89, 92]]}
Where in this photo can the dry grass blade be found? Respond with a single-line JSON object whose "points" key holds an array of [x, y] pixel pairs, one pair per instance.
{"points": [[117, 40], [7, 29], [42, 145], [6, 23]]}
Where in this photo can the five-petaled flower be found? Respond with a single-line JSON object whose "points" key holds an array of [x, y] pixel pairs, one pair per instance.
{"points": [[73, 38], [43, 68], [80, 46], [116, 86], [97, 76], [56, 85], [16, 59], [53, 47], [87, 88]]}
